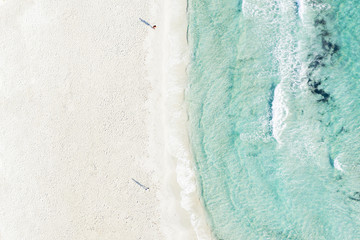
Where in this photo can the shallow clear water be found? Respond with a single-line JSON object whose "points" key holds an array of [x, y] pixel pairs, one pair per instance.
{"points": [[274, 107]]}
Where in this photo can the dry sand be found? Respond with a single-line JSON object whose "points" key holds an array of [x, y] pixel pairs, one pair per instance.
{"points": [[91, 98], [73, 121]]}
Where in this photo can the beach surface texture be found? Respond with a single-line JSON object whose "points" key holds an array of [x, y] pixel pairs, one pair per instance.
{"points": [[83, 145]]}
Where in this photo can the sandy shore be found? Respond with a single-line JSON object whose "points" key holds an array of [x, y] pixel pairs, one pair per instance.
{"points": [[183, 216], [91, 98], [74, 121]]}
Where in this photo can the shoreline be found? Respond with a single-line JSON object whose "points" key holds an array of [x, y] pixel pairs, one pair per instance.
{"points": [[183, 214], [93, 106]]}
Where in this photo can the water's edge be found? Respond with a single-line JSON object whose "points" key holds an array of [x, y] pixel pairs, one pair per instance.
{"points": [[182, 213]]}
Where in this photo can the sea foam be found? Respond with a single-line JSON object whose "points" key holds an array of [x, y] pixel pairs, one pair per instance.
{"points": [[183, 216]]}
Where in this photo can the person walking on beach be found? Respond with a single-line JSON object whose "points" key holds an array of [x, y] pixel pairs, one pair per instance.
{"points": [[153, 26]]}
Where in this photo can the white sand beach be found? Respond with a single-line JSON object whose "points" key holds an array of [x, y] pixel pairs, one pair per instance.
{"points": [[83, 100]]}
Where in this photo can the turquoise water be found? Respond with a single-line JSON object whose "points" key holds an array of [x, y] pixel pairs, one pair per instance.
{"points": [[274, 109]]}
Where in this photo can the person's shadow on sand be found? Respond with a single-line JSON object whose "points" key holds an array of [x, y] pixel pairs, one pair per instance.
{"points": [[153, 27]]}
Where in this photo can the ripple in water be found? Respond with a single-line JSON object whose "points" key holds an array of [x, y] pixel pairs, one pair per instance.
{"points": [[274, 112]]}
